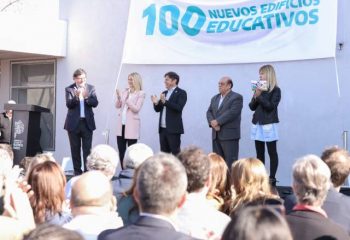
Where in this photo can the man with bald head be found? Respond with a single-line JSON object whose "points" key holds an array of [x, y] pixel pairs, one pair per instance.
{"points": [[93, 205], [224, 117]]}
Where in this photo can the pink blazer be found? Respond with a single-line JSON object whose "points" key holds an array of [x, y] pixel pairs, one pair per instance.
{"points": [[134, 104]]}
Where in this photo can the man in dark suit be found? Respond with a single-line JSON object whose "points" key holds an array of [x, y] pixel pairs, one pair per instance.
{"points": [[80, 122], [224, 117], [337, 205], [159, 192], [170, 106], [5, 125]]}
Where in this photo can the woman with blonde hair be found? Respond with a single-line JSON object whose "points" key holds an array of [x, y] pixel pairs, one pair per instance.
{"points": [[219, 194], [250, 182], [48, 182], [129, 103], [264, 129]]}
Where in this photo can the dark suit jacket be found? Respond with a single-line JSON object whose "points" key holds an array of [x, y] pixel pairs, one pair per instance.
{"points": [[265, 107], [337, 207], [306, 225], [5, 128], [145, 228], [73, 105], [174, 107], [228, 115]]}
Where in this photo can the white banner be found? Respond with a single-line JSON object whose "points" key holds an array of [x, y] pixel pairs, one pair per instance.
{"points": [[229, 31]]}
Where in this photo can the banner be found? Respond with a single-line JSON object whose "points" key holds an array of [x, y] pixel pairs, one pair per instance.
{"points": [[229, 31]]}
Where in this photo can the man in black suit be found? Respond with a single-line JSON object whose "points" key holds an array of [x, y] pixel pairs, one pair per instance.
{"points": [[159, 192], [224, 117], [170, 106], [80, 122]]}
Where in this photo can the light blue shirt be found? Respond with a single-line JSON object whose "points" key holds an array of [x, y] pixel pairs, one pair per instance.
{"points": [[82, 106], [264, 133]]}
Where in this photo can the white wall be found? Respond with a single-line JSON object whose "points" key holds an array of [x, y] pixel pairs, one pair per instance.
{"points": [[312, 114]]}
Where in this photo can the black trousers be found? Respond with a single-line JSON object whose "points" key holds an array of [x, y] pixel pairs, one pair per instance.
{"points": [[122, 145], [169, 142], [272, 150], [82, 136], [227, 149]]}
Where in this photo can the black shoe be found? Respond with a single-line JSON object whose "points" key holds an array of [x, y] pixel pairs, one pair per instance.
{"points": [[272, 181]]}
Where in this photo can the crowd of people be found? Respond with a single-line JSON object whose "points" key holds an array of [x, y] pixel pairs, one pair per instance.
{"points": [[179, 193], [192, 195]]}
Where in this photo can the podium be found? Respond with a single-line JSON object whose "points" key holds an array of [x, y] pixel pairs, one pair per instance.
{"points": [[25, 132]]}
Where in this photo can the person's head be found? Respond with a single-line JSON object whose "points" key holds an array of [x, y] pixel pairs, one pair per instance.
{"points": [[171, 80], [249, 174], [220, 184], [79, 77], [136, 154], [225, 85], [160, 185], [268, 74], [37, 159], [311, 180], [338, 161], [257, 223], [52, 232], [9, 112], [8, 149], [135, 81], [197, 166], [103, 158], [48, 184], [5, 162], [91, 190]]}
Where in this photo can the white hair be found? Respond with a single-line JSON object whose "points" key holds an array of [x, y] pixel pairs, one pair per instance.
{"points": [[136, 154], [311, 180], [103, 158]]}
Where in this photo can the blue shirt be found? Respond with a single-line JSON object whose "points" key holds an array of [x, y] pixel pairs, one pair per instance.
{"points": [[264, 133]]}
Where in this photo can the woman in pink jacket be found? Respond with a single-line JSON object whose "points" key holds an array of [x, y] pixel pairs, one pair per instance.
{"points": [[129, 103]]}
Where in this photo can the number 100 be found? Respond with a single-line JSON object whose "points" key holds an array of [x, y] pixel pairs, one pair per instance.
{"points": [[151, 14]]}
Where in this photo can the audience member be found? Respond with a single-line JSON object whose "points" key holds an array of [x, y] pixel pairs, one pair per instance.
{"points": [[337, 205], [52, 232], [93, 205], [127, 208], [257, 223], [37, 159], [102, 158], [6, 162], [8, 148], [160, 191], [251, 184], [197, 218], [16, 215], [48, 182], [311, 181], [134, 156], [219, 193]]}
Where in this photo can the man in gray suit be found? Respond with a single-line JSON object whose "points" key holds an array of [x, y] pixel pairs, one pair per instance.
{"points": [[224, 117]]}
